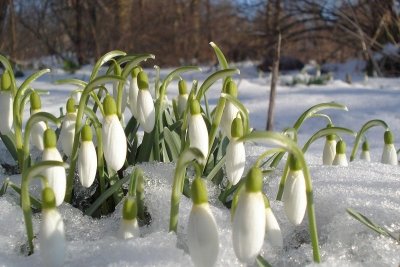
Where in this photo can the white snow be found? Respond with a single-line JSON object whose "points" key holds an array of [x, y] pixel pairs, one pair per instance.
{"points": [[370, 188]]}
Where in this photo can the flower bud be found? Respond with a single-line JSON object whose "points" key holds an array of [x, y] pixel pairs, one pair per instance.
{"points": [[129, 227], [198, 133], [340, 157], [389, 154], [145, 105], [87, 159]]}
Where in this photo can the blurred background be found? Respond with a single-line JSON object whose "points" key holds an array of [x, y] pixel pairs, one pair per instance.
{"points": [[178, 32]]}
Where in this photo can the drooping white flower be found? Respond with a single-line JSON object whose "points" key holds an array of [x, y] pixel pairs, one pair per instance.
{"points": [[55, 176], [230, 110], [294, 193], [37, 130], [389, 154], [272, 230], [134, 91], [340, 157], [235, 153], [52, 234], [114, 139], [67, 132], [182, 97], [198, 133], [87, 159], [329, 152], [145, 105], [248, 228], [6, 104], [202, 229], [129, 227], [365, 155]]}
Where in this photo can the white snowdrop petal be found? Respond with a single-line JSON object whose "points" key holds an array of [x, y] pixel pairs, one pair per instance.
{"points": [[198, 134], [294, 197], [329, 152], [182, 101], [133, 95], [55, 175], [235, 161], [145, 110], [52, 238], [365, 155], [6, 112], [228, 115], [87, 163], [340, 160], [272, 229], [114, 142], [389, 155], [248, 228], [37, 132], [202, 234], [67, 133], [128, 229]]}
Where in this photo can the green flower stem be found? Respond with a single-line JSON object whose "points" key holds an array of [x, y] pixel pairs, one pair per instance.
{"points": [[77, 82], [35, 118], [283, 181], [267, 153], [324, 132], [27, 175], [221, 74], [104, 59], [82, 104], [186, 157], [140, 193], [219, 110], [221, 58], [286, 143], [157, 86], [361, 132], [242, 109], [184, 127]]}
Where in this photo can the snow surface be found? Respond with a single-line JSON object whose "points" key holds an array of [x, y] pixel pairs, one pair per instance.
{"points": [[370, 188]]}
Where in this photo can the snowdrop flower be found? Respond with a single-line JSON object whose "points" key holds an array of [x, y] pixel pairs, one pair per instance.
{"points": [[389, 154], [134, 91], [198, 133], [52, 235], [182, 97], [67, 132], [248, 228], [272, 230], [340, 157], [114, 140], [202, 229], [145, 105], [87, 159], [329, 150], [55, 175], [294, 193], [230, 110], [6, 104], [129, 227], [235, 153], [365, 155], [38, 128]]}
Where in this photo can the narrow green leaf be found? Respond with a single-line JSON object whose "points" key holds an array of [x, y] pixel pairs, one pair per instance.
{"points": [[32, 78], [261, 262], [221, 74], [76, 82], [221, 58], [216, 168], [173, 142], [10, 145], [325, 132], [103, 60]]}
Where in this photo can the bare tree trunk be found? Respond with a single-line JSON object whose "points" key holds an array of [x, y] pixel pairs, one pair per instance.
{"points": [[78, 43], [12, 27], [274, 80]]}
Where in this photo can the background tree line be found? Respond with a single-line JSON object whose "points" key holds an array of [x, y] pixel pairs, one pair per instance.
{"points": [[178, 31]]}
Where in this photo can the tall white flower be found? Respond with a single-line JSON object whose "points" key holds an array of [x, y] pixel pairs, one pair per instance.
{"points": [[389, 154], [129, 227], [340, 157], [235, 153], [67, 132], [294, 193], [145, 105], [134, 91], [248, 228], [38, 128], [202, 229], [182, 97], [55, 176], [365, 155], [114, 139], [272, 230], [230, 110], [6, 104], [198, 133], [87, 159], [52, 234], [329, 150]]}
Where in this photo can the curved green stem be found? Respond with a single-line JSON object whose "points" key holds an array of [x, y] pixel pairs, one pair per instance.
{"points": [[221, 74], [8, 67], [361, 132], [242, 109], [324, 132], [105, 58]]}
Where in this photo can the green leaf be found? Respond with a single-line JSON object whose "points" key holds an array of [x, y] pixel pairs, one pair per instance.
{"points": [[325, 132], [212, 79], [103, 60], [10, 145], [76, 82], [32, 78], [173, 142], [221, 58], [261, 262], [216, 168]]}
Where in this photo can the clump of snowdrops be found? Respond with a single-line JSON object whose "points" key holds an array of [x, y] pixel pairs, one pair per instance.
{"points": [[98, 143]]}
